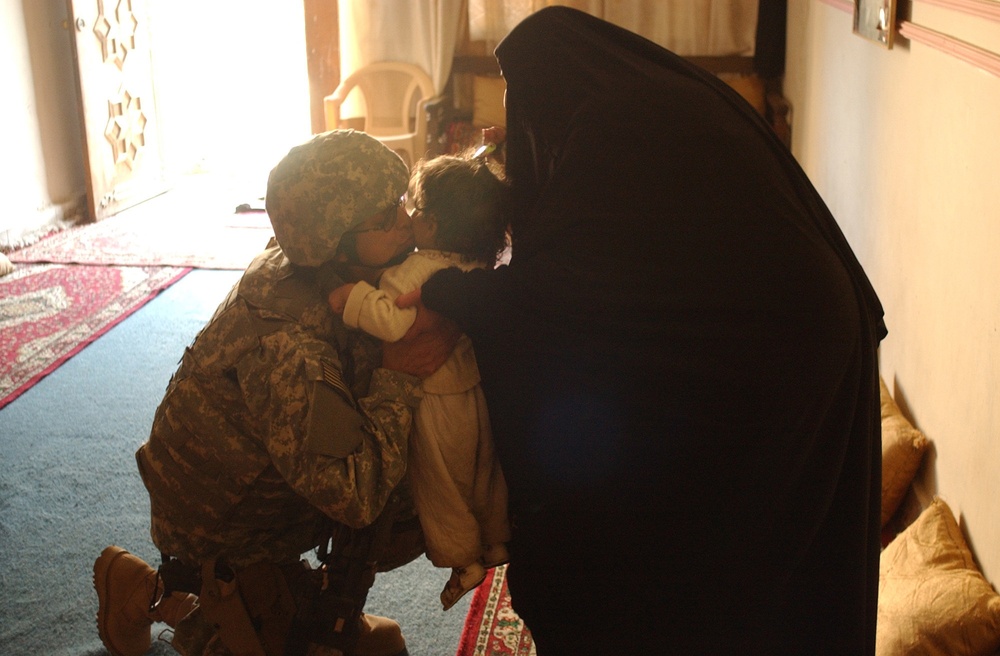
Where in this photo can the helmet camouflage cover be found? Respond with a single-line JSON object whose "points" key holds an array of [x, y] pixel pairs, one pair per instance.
{"points": [[327, 185]]}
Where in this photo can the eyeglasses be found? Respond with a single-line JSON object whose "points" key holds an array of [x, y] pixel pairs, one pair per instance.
{"points": [[388, 220]]}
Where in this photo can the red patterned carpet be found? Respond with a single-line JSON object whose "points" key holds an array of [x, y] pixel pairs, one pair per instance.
{"points": [[194, 225], [492, 628], [226, 241], [49, 312]]}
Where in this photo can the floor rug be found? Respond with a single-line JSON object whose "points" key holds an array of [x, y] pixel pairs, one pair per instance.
{"points": [[492, 628], [49, 312], [196, 225]]}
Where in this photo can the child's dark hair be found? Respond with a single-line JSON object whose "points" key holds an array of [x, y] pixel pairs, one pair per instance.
{"points": [[467, 201]]}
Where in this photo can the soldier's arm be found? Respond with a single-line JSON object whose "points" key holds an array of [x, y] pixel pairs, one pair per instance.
{"points": [[344, 455]]}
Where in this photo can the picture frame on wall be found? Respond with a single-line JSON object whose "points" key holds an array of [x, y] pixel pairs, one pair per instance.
{"points": [[875, 20]]}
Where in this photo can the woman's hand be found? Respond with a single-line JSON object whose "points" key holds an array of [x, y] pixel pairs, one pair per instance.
{"points": [[426, 345], [495, 136]]}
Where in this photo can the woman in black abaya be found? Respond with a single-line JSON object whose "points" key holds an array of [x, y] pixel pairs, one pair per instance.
{"points": [[680, 364]]}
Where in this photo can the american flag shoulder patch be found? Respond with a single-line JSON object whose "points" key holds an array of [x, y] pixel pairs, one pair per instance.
{"points": [[332, 377]]}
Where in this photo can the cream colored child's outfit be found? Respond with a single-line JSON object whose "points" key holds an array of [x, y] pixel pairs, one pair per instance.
{"points": [[458, 487]]}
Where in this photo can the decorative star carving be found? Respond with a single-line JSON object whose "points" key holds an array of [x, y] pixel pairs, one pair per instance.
{"points": [[126, 127], [115, 30]]}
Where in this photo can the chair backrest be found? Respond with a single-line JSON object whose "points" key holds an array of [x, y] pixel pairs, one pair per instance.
{"points": [[393, 96]]}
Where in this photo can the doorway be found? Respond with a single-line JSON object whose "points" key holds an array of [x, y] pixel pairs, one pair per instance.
{"points": [[224, 92]]}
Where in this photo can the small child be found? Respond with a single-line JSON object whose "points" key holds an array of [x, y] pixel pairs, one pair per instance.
{"points": [[458, 487]]}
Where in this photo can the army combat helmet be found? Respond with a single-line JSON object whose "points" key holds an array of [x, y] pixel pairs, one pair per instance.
{"points": [[326, 186]]}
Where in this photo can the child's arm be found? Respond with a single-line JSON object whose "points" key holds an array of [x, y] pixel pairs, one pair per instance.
{"points": [[372, 310]]}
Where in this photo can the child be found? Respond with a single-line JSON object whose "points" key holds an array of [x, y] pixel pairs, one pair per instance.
{"points": [[458, 488]]}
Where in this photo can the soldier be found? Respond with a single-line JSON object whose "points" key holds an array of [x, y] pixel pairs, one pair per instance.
{"points": [[282, 432]]}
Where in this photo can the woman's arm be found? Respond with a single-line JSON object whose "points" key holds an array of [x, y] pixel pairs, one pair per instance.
{"points": [[472, 299]]}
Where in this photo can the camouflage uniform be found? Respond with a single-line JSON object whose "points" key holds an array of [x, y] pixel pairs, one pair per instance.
{"points": [[256, 442], [278, 418]]}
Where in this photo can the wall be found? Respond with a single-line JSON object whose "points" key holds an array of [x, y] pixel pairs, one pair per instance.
{"points": [[232, 95], [903, 145], [41, 161]]}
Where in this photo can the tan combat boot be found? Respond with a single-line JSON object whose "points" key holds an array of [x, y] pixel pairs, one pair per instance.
{"points": [[379, 636], [125, 586]]}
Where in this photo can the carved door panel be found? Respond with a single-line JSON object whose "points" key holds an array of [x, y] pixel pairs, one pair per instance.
{"points": [[115, 93]]}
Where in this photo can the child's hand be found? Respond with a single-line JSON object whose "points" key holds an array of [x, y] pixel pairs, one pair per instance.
{"points": [[338, 298]]}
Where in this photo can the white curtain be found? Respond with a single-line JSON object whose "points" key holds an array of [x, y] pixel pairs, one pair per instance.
{"points": [[687, 27], [421, 32]]}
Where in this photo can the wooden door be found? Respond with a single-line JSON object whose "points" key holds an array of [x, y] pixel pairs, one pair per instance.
{"points": [[115, 94], [323, 56]]}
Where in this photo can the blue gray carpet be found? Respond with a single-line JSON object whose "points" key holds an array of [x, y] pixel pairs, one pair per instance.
{"points": [[69, 486]]}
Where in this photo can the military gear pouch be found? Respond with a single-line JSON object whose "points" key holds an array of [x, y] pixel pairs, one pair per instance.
{"points": [[268, 599], [223, 607]]}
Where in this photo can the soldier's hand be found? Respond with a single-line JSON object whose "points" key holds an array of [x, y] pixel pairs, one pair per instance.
{"points": [[338, 298], [427, 344]]}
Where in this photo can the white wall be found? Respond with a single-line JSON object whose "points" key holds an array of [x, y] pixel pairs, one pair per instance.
{"points": [[41, 158], [903, 145], [232, 95]]}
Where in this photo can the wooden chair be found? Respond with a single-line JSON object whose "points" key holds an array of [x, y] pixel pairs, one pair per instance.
{"points": [[394, 96]]}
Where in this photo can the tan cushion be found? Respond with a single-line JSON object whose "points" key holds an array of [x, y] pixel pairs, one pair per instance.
{"points": [[487, 101], [932, 599], [903, 448]]}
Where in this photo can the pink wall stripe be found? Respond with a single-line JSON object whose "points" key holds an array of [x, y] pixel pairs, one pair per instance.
{"points": [[984, 59], [983, 8], [843, 5], [978, 57]]}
